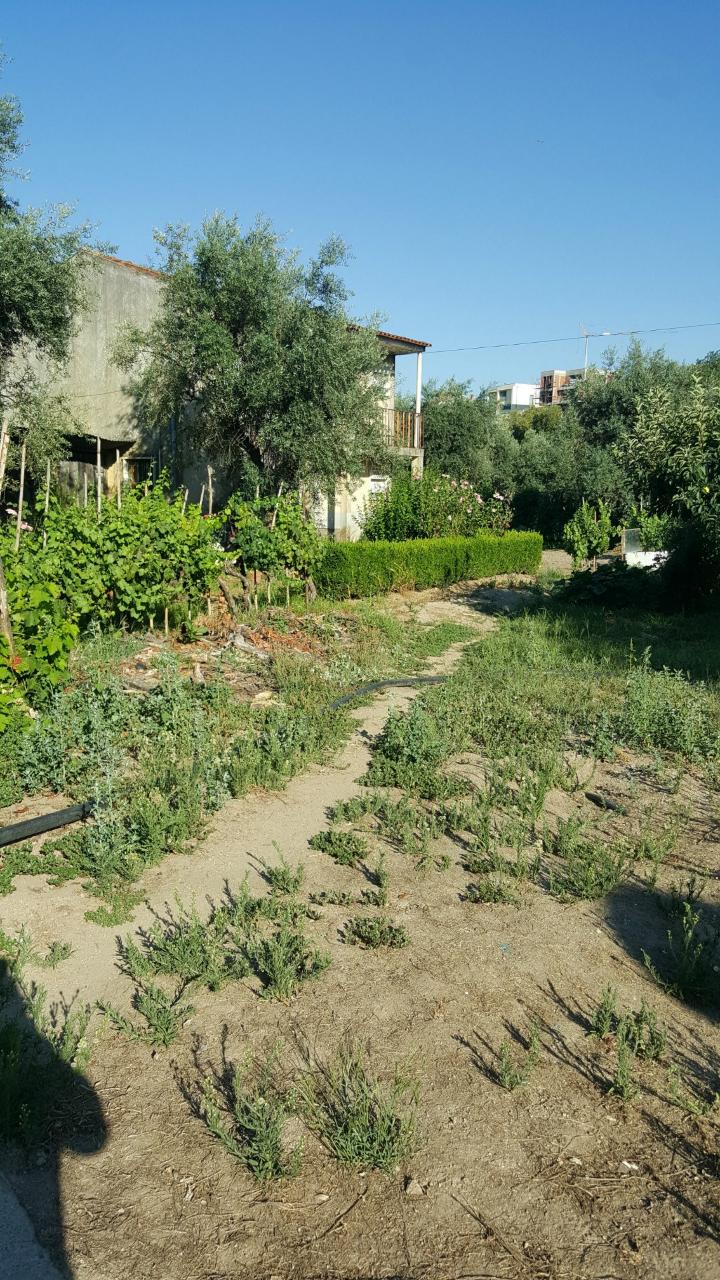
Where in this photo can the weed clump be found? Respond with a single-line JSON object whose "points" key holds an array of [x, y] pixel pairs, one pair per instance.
{"points": [[364, 1122], [688, 970], [589, 868], [247, 1114], [345, 847], [376, 931], [162, 1014]]}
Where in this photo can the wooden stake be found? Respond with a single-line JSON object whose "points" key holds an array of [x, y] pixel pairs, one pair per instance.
{"points": [[167, 622], [5, 624], [185, 500], [4, 446], [274, 515], [47, 501], [118, 479], [20, 499], [269, 591], [98, 477], [287, 594], [210, 489], [85, 487], [202, 495]]}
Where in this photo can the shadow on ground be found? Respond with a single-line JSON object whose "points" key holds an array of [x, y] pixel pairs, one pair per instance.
{"points": [[46, 1107]]}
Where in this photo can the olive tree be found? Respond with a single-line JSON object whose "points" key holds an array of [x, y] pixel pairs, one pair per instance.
{"points": [[255, 358]]}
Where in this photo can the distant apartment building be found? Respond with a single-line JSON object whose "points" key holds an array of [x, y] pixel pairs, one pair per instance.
{"points": [[555, 384], [515, 395]]}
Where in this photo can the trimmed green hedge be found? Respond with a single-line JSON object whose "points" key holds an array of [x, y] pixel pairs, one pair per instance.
{"points": [[367, 568]]}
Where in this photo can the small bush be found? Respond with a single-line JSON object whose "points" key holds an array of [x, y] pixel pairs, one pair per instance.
{"points": [[366, 568], [248, 1117], [344, 846], [363, 1122], [284, 960], [376, 931]]}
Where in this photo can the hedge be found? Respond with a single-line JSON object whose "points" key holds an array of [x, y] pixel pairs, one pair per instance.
{"points": [[366, 568]]}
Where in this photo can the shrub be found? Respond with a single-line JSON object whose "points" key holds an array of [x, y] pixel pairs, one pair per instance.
{"points": [[362, 1121], [248, 1117], [366, 568], [589, 532], [431, 506]]}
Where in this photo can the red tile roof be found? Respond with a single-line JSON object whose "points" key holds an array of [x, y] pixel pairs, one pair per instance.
{"points": [[132, 266], [397, 337]]}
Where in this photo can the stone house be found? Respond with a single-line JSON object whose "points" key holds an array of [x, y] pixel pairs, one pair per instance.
{"points": [[123, 292]]}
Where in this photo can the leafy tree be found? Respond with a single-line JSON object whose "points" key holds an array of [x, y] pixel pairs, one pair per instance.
{"points": [[42, 290], [464, 437], [672, 451], [605, 402], [537, 417], [255, 357]]}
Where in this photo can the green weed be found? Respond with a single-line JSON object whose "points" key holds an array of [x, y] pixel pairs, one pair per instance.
{"points": [[693, 1104], [605, 1018], [589, 868], [623, 1084], [285, 960], [345, 847], [494, 891], [247, 1115], [689, 967], [515, 1068], [364, 1122], [376, 931], [163, 1015]]}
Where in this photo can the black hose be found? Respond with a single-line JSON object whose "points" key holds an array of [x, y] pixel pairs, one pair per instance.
{"points": [[47, 822], [78, 812], [403, 683]]}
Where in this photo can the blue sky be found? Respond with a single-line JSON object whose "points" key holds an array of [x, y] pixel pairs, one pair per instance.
{"points": [[501, 171]]}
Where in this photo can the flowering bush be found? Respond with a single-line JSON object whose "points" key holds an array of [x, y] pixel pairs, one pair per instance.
{"points": [[433, 506]]}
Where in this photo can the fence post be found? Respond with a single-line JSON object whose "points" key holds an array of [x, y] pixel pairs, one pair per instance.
{"points": [[47, 502], [210, 489], [118, 479], [98, 477], [21, 497]]}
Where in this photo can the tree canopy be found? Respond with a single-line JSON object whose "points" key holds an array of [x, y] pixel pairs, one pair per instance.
{"points": [[255, 357], [42, 291]]}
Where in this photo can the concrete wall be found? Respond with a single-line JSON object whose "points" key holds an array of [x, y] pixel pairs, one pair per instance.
{"points": [[120, 293]]}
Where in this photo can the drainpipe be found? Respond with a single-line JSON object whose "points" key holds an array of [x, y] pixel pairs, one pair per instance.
{"points": [[418, 397]]}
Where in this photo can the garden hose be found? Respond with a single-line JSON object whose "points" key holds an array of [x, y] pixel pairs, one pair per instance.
{"points": [[18, 831]]}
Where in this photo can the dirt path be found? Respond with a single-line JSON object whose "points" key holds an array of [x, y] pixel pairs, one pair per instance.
{"points": [[244, 834]]}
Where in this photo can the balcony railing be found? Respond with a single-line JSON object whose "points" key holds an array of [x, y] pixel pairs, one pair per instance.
{"points": [[403, 429]]}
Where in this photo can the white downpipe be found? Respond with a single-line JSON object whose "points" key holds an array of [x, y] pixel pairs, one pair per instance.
{"points": [[418, 396]]}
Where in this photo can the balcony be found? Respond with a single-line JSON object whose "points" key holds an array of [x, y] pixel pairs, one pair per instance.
{"points": [[403, 429]]}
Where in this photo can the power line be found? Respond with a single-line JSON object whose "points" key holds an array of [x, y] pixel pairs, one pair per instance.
{"points": [[573, 337]]}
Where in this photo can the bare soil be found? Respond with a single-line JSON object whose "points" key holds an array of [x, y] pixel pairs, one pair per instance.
{"points": [[557, 1179]]}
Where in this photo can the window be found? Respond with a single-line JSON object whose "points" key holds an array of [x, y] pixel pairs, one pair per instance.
{"points": [[139, 470]]}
